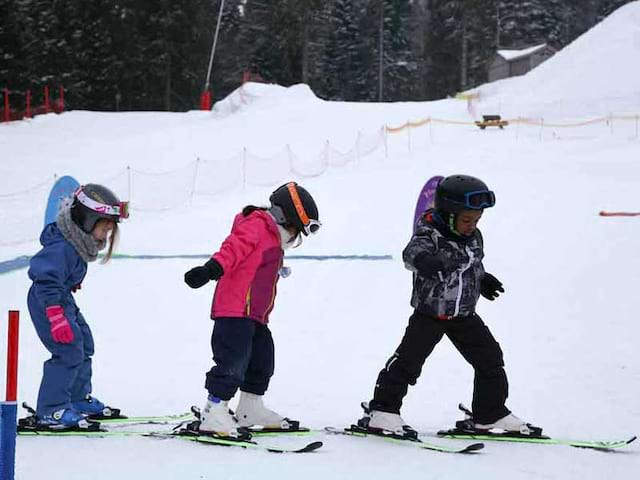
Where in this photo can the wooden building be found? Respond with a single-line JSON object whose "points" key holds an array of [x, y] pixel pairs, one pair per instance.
{"points": [[511, 63]]}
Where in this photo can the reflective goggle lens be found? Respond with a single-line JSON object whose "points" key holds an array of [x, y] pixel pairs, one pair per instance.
{"points": [[124, 210], [312, 227], [479, 200]]}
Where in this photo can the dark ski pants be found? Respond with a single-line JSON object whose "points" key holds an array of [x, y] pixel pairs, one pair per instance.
{"points": [[67, 374], [243, 355], [473, 340]]}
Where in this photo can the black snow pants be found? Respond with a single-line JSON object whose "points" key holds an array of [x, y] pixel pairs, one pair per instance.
{"points": [[473, 340]]}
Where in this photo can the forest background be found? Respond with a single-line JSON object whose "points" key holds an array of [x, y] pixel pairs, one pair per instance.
{"points": [[113, 55]]}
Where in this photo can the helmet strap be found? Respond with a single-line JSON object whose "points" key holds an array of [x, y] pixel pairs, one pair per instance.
{"points": [[297, 241], [452, 223], [297, 203]]}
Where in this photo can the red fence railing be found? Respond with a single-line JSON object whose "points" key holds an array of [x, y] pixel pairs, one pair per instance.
{"points": [[15, 108]]}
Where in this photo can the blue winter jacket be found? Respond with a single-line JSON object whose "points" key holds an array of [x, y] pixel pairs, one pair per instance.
{"points": [[55, 270]]}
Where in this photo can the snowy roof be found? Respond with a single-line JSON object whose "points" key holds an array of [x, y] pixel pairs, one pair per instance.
{"points": [[509, 55]]}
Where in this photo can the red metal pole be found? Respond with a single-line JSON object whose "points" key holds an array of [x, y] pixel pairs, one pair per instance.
{"points": [[61, 98], [46, 99], [6, 105], [28, 114], [205, 100], [12, 356]]}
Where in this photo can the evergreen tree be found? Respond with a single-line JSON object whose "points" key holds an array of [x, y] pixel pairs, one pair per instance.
{"points": [[270, 34], [400, 82], [12, 59], [231, 58], [607, 7], [338, 68], [154, 54]]}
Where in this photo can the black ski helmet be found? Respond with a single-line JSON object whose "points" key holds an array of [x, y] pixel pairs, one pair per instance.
{"points": [[462, 192], [292, 205], [91, 202]]}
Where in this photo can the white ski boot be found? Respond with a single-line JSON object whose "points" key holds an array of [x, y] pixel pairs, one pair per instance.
{"points": [[508, 423], [216, 420], [251, 411], [391, 423]]}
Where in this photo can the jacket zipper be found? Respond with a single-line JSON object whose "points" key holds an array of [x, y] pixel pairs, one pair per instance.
{"points": [[273, 291], [248, 301], [459, 296]]}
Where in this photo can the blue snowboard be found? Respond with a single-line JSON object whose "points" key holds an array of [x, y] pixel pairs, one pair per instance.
{"points": [[63, 188], [426, 198]]}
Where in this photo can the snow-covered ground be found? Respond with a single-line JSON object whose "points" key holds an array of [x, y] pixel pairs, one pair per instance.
{"points": [[567, 322]]}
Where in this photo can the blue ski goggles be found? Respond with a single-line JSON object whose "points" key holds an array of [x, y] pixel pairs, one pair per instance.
{"points": [[479, 200]]}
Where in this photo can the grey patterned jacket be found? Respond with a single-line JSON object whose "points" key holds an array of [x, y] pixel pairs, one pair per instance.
{"points": [[449, 294]]}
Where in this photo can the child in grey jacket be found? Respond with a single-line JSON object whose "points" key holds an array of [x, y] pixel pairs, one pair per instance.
{"points": [[445, 253]]}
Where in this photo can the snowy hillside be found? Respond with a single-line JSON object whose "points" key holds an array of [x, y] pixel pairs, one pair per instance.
{"points": [[595, 75], [567, 322]]}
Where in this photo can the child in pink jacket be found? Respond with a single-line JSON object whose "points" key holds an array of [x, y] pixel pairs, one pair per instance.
{"points": [[247, 268]]}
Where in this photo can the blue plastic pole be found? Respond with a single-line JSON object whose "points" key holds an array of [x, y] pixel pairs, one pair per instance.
{"points": [[9, 408], [8, 419]]}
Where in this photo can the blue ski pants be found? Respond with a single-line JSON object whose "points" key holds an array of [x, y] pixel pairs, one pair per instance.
{"points": [[66, 375]]}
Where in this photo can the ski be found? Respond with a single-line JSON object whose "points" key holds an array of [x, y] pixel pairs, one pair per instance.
{"points": [[465, 429], [77, 433], [121, 419], [158, 419], [278, 432], [249, 444], [355, 431], [203, 439], [544, 440], [290, 427]]}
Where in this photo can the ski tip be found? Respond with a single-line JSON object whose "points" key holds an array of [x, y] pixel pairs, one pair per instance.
{"points": [[312, 446], [474, 447], [307, 448], [632, 439]]}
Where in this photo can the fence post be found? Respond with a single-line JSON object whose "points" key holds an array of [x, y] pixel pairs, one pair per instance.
{"points": [[244, 168], [326, 154], [611, 123], [386, 142], [290, 157], [409, 134], [129, 182], [9, 408], [47, 107], [518, 128], [195, 178], [61, 98], [6, 105], [28, 114]]}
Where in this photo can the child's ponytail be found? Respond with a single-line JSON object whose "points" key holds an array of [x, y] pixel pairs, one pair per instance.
{"points": [[113, 240], [249, 209]]}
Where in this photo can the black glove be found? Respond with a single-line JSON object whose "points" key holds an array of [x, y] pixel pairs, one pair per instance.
{"points": [[429, 265], [199, 276], [490, 286]]}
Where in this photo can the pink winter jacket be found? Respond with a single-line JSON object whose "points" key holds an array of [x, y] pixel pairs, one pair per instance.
{"points": [[251, 257]]}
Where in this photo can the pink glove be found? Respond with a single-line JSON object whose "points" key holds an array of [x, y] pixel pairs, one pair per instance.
{"points": [[60, 328]]}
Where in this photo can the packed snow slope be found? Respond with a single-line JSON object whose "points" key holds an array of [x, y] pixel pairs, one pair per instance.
{"points": [[596, 74], [567, 322]]}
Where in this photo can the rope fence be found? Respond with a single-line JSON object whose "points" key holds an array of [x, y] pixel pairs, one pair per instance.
{"points": [[161, 191], [538, 122]]}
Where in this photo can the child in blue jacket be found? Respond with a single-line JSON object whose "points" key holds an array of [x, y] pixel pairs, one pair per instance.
{"points": [[82, 228]]}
